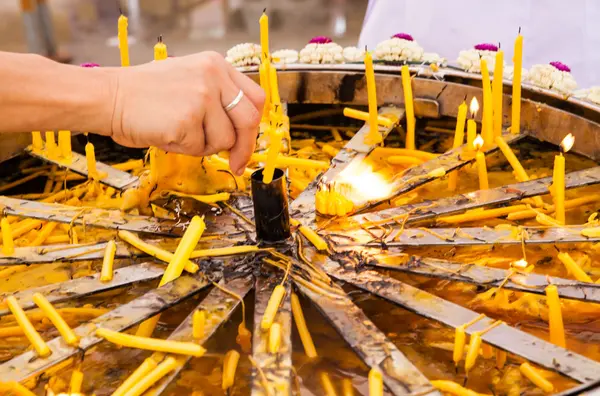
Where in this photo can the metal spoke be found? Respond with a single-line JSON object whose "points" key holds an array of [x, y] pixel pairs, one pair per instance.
{"points": [[491, 277], [114, 177], [217, 304], [354, 151], [459, 203], [504, 337], [88, 285], [29, 364], [277, 368], [399, 375]]}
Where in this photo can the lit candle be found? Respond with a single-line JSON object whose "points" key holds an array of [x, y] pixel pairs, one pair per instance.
{"points": [[90, 156], [459, 137], [374, 137], [487, 122], [481, 165], [8, 244], [51, 147], [64, 144], [275, 137], [558, 179], [497, 90], [471, 124], [409, 107], [555, 320], [123, 40], [516, 92], [160, 50], [36, 141]]}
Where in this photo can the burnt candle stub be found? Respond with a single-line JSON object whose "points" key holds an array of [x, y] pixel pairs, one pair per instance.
{"points": [[271, 213]]}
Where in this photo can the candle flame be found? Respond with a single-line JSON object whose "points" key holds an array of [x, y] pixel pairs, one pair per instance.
{"points": [[520, 264], [363, 184], [567, 143], [478, 142], [474, 106]]}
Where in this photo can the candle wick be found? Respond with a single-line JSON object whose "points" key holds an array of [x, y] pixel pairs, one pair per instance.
{"points": [[265, 10], [160, 39], [519, 29], [499, 45]]}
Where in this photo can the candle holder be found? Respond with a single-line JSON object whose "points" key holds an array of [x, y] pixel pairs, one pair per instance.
{"points": [[271, 213]]}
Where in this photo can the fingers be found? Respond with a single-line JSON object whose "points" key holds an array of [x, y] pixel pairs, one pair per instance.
{"points": [[253, 91], [245, 119], [219, 133]]}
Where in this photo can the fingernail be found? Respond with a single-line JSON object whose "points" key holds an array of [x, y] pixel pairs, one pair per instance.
{"points": [[239, 172]]}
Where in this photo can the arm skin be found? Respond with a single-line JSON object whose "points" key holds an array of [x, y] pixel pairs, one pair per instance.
{"points": [[177, 104]]}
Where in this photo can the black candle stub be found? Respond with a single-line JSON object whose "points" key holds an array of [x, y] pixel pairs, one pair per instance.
{"points": [[271, 213]]}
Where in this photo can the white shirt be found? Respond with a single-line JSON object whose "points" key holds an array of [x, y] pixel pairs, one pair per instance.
{"points": [[553, 30]]}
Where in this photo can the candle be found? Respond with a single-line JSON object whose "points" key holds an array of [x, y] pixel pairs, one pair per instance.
{"points": [[573, 268], [516, 91], [106, 274], [52, 314], [198, 323], [274, 85], [51, 147], [375, 382], [328, 388], [534, 376], [497, 90], [558, 178], [264, 83], [36, 141], [363, 116], [555, 320], [471, 124], [151, 344], [152, 378], [230, 363], [481, 165], [460, 338], [272, 307], [8, 244], [123, 40], [473, 351], [310, 234], [264, 33], [409, 107], [374, 137], [160, 50], [487, 122], [459, 137], [30, 332], [64, 144], [305, 337], [500, 358], [274, 338], [90, 156], [76, 382], [275, 136], [141, 372]]}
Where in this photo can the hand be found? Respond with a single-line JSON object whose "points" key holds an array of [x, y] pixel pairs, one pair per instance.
{"points": [[178, 105]]}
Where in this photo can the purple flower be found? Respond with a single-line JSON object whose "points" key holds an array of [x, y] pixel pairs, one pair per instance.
{"points": [[89, 65], [403, 36], [320, 40], [486, 47], [561, 66]]}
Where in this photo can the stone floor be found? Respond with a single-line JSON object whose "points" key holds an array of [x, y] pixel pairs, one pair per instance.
{"points": [[87, 28]]}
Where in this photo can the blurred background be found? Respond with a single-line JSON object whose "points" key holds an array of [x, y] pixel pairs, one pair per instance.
{"points": [[85, 30]]}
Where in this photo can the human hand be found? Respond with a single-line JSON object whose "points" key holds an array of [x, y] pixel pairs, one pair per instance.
{"points": [[179, 104]]}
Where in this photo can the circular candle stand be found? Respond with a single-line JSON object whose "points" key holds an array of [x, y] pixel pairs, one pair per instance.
{"points": [[380, 251]]}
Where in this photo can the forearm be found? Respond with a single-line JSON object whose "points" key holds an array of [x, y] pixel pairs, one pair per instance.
{"points": [[39, 94]]}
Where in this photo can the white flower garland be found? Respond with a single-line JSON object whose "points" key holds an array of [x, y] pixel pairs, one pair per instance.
{"points": [[285, 56], [549, 77], [245, 54], [354, 54], [322, 53], [397, 49]]}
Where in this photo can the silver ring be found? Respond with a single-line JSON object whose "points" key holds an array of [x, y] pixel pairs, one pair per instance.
{"points": [[235, 101]]}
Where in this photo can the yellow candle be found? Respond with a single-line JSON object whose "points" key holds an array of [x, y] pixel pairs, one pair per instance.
{"points": [[64, 143], [487, 122], [375, 382], [151, 344], [534, 376], [473, 351], [311, 235], [30, 332], [52, 314], [558, 188], [106, 274], [51, 147], [164, 368], [181, 256], [141, 372], [500, 358], [123, 40], [36, 140], [481, 165], [230, 363], [516, 91], [328, 388], [374, 137], [555, 320], [573, 268], [497, 90], [8, 244], [272, 307], [90, 156], [409, 107], [76, 382], [198, 323], [487, 351], [274, 338], [520, 173], [460, 338], [264, 33], [160, 50], [305, 337], [274, 86], [364, 116], [347, 387], [471, 124], [276, 135], [264, 83], [459, 137], [452, 388]]}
